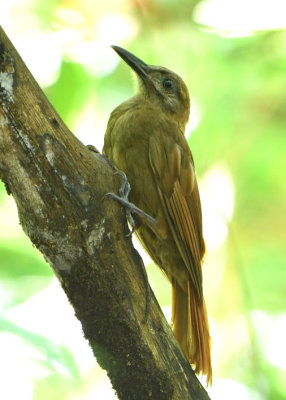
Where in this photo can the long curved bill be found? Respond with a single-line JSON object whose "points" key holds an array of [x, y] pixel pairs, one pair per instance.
{"points": [[139, 66]]}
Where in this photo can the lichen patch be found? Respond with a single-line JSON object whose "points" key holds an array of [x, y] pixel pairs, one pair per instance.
{"points": [[95, 237], [6, 83]]}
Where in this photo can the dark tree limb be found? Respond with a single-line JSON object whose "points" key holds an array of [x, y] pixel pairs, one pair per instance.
{"points": [[59, 187]]}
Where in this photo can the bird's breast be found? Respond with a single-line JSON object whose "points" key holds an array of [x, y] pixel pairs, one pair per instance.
{"points": [[128, 149]]}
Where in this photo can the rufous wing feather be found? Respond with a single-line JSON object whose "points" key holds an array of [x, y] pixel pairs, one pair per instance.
{"points": [[180, 201]]}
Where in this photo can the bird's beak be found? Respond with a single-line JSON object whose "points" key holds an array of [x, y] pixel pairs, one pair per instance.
{"points": [[134, 62]]}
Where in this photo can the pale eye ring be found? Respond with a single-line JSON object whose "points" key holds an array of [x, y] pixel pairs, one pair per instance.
{"points": [[168, 83]]}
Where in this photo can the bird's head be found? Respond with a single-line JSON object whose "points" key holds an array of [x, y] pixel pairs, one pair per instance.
{"points": [[161, 86]]}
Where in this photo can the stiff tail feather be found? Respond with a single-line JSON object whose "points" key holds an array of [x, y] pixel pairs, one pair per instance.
{"points": [[191, 328]]}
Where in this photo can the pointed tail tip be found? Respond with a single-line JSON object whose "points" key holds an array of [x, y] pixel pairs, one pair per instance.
{"points": [[209, 375], [201, 340], [203, 367], [191, 328]]}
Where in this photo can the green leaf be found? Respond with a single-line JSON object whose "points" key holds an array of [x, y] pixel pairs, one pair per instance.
{"points": [[23, 272], [52, 354]]}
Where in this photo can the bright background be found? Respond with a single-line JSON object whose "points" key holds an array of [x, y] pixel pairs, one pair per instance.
{"points": [[232, 55]]}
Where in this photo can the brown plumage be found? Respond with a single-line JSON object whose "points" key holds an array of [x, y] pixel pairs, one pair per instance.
{"points": [[145, 139]]}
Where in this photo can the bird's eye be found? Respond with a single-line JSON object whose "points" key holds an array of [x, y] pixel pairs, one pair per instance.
{"points": [[168, 83]]}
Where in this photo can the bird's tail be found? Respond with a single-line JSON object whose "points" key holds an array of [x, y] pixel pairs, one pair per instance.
{"points": [[191, 328]]}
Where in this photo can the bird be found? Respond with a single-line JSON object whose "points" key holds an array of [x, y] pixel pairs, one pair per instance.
{"points": [[145, 140]]}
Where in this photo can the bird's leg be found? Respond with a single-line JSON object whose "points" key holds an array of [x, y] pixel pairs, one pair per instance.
{"points": [[130, 207]]}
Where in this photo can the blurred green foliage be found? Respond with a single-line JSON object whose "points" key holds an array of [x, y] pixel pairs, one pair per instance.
{"points": [[238, 86]]}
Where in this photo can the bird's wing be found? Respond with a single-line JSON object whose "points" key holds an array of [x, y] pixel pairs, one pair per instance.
{"points": [[173, 169]]}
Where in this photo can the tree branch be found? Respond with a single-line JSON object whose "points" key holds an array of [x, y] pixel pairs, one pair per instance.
{"points": [[59, 186]]}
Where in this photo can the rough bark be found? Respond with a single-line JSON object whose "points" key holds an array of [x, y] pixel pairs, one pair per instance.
{"points": [[59, 187]]}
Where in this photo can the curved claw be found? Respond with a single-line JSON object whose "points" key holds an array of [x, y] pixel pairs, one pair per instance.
{"points": [[131, 222], [130, 207], [125, 187], [124, 191]]}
